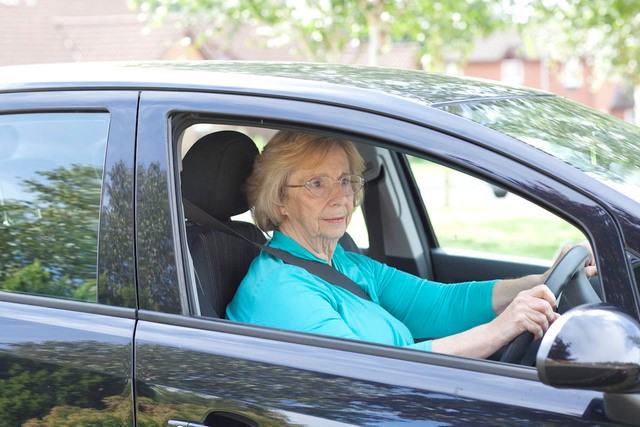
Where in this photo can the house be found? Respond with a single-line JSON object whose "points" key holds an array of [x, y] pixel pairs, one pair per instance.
{"points": [[45, 31], [501, 56]]}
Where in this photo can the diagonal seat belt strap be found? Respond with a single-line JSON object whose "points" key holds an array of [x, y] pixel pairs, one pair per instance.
{"points": [[323, 271]]}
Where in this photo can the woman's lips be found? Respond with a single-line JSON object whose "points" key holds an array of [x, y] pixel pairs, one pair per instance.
{"points": [[335, 220]]}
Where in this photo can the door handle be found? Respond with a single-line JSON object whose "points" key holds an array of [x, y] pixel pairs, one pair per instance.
{"points": [[178, 423], [217, 418]]}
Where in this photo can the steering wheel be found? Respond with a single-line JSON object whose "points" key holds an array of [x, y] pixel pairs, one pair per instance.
{"points": [[570, 269]]}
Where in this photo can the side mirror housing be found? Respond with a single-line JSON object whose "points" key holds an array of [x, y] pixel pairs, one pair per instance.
{"points": [[595, 347]]}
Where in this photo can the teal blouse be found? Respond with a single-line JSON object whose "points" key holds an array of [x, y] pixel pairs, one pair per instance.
{"points": [[402, 306]]}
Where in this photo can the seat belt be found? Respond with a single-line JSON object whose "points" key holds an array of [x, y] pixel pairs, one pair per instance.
{"points": [[323, 271]]}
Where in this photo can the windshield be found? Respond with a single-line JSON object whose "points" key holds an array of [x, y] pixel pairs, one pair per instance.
{"points": [[600, 145]]}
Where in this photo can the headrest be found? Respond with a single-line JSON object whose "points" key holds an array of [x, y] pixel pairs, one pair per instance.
{"points": [[214, 171]]}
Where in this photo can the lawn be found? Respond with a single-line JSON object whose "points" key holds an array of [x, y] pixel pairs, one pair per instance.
{"points": [[467, 215], [519, 235]]}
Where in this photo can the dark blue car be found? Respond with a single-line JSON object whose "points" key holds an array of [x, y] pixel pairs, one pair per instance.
{"points": [[112, 294]]}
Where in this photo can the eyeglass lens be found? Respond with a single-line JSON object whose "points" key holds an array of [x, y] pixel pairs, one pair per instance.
{"points": [[323, 185]]}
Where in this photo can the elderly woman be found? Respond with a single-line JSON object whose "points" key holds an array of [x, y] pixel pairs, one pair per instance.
{"points": [[304, 189]]}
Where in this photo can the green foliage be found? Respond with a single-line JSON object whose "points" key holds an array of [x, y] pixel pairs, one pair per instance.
{"points": [[157, 275], [115, 282], [321, 30], [30, 390], [602, 31], [86, 292], [533, 236], [34, 279], [605, 32], [466, 215], [49, 245]]}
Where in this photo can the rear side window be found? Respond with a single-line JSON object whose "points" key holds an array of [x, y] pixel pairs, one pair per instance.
{"points": [[51, 167]]}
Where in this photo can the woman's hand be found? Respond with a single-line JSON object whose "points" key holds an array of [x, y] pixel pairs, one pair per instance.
{"points": [[521, 305], [590, 267], [532, 310], [505, 291]]}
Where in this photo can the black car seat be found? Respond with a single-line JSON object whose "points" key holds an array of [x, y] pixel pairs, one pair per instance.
{"points": [[214, 171]]}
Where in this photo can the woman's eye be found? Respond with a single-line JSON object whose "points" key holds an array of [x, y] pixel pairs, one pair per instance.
{"points": [[315, 183]]}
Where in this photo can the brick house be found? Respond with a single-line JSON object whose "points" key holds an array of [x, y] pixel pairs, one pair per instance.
{"points": [[44, 31]]}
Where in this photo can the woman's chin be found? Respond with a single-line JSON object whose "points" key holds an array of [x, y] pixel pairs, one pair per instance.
{"points": [[335, 233], [339, 235]]}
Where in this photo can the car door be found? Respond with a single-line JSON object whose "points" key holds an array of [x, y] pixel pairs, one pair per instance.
{"points": [[193, 369], [67, 289]]}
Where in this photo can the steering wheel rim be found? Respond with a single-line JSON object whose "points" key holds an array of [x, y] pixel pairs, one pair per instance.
{"points": [[569, 268]]}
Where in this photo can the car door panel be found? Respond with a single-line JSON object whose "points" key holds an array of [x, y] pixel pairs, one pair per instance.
{"points": [[190, 370], [63, 361], [59, 364], [452, 267]]}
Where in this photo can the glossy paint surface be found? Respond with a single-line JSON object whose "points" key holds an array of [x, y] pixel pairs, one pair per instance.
{"points": [[275, 383], [58, 365], [569, 358]]}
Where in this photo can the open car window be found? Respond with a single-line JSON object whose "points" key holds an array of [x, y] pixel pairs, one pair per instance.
{"points": [[454, 228]]}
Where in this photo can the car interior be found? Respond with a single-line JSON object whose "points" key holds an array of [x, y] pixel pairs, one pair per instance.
{"points": [[391, 226], [220, 257]]}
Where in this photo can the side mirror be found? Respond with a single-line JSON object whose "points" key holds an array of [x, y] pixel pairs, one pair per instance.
{"points": [[595, 347]]}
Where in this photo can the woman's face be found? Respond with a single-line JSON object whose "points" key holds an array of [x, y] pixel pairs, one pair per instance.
{"points": [[310, 220]]}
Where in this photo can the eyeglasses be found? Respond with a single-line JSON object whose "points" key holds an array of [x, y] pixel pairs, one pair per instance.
{"points": [[322, 186]]}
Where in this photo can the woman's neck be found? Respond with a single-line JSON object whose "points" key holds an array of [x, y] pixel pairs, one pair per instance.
{"points": [[318, 246]]}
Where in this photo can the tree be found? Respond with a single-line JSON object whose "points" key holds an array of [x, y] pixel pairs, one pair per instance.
{"points": [[603, 32], [35, 279], [322, 30], [49, 244], [31, 387], [156, 268]]}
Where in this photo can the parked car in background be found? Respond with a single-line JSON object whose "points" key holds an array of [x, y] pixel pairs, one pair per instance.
{"points": [[112, 296]]}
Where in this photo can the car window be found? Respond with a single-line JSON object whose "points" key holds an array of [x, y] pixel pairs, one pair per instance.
{"points": [[467, 213], [51, 168], [596, 143]]}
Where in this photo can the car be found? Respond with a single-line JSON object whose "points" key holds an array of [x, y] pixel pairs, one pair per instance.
{"points": [[112, 291]]}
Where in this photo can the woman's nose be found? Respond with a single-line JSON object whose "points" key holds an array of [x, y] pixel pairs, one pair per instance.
{"points": [[337, 193]]}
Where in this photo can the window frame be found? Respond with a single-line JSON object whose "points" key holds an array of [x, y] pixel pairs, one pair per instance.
{"points": [[121, 107]]}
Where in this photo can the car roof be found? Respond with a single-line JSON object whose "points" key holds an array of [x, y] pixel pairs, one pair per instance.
{"points": [[331, 82]]}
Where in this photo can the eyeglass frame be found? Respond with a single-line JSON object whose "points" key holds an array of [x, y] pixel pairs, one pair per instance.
{"points": [[333, 183]]}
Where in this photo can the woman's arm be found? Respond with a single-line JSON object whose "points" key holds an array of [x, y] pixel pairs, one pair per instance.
{"points": [[531, 310], [522, 305], [506, 290]]}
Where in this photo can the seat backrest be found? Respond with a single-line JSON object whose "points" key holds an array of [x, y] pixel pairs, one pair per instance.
{"points": [[214, 171]]}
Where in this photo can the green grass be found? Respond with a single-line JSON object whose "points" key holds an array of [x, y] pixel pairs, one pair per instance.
{"points": [[530, 236], [466, 215]]}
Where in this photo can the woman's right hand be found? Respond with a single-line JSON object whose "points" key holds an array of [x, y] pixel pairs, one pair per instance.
{"points": [[532, 310]]}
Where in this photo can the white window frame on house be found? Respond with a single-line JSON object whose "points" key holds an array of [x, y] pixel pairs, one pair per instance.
{"points": [[512, 71]]}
